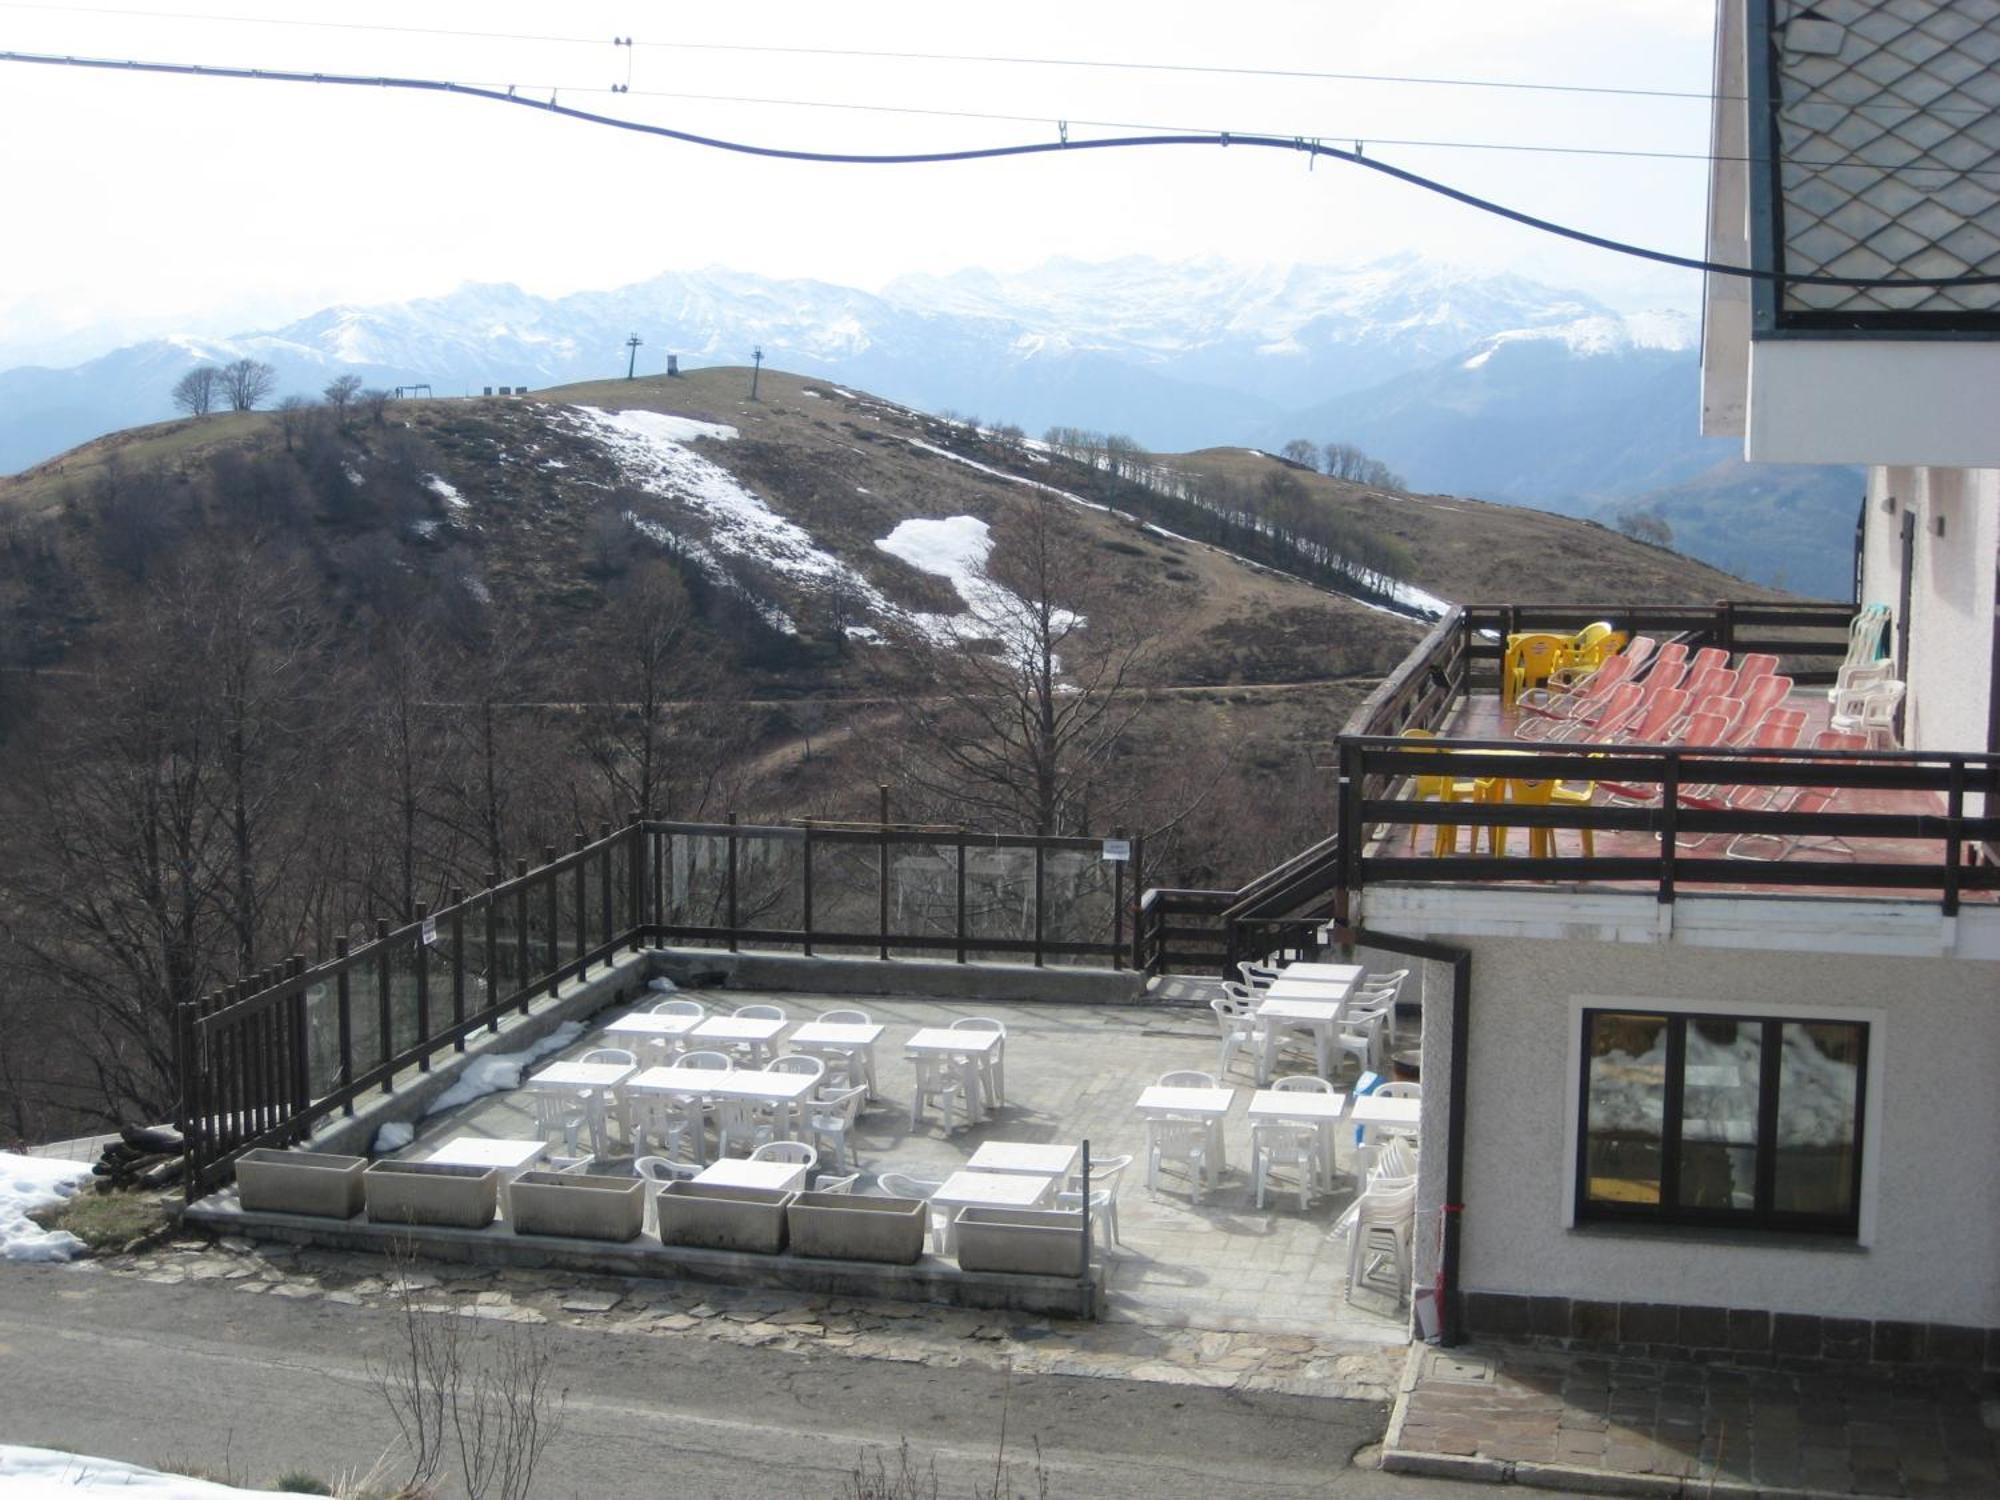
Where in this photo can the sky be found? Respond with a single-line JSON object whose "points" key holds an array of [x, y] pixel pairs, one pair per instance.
{"points": [[144, 205]]}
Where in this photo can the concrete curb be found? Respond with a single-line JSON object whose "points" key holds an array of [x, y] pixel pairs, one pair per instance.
{"points": [[1471, 1468], [825, 974]]}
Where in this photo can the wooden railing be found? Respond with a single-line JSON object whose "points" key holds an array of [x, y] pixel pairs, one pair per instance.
{"points": [[263, 1061], [1209, 930]]}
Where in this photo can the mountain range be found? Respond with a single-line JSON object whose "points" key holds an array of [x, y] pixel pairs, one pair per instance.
{"points": [[1463, 381]]}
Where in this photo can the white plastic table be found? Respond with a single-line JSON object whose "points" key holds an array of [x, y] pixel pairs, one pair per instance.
{"points": [[740, 1031], [510, 1156], [783, 1091], [1208, 1105], [1288, 987], [564, 1077], [825, 1038], [1317, 1014], [969, 1189], [1347, 974], [972, 1048], [1303, 1107], [1024, 1157], [1373, 1109], [643, 1023], [731, 1172]]}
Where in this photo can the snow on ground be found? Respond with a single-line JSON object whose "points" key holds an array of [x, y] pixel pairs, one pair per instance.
{"points": [[650, 448], [808, 391], [1410, 595], [426, 528], [956, 548], [501, 1071], [29, 1182], [45, 1474], [447, 492], [353, 474]]}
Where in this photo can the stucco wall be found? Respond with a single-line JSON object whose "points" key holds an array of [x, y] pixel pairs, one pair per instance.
{"points": [[1951, 593], [1932, 1203]]}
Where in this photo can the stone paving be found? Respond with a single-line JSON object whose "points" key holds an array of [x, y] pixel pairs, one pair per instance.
{"points": [[1630, 1426], [1073, 1073], [1286, 1364]]}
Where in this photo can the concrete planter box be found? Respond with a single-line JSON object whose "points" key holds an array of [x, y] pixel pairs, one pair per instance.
{"points": [[577, 1206], [841, 1226], [1034, 1241], [723, 1218], [429, 1192], [300, 1182]]}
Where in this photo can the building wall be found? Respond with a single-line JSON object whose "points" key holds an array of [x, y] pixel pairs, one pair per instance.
{"points": [[1951, 596], [1931, 1204]]}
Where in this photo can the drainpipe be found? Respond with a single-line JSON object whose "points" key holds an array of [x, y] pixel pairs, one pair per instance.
{"points": [[1451, 1322]]}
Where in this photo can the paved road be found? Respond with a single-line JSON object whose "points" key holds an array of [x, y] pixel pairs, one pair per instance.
{"points": [[152, 1374]]}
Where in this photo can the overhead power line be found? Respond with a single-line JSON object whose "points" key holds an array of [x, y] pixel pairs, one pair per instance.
{"points": [[1125, 65], [1311, 148]]}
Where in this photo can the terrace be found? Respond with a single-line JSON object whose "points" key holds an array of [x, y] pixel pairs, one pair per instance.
{"points": [[1905, 829]]}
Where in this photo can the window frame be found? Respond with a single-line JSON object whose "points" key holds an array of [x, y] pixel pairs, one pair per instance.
{"points": [[1763, 1217]]}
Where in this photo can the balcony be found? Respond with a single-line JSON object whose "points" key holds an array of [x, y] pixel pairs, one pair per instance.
{"points": [[1886, 826]]}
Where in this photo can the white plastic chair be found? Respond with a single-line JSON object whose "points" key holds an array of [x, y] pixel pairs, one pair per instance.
{"points": [[798, 1062], [845, 1018], [847, 1066], [1185, 1141], [902, 1185], [656, 1172], [1104, 1177], [1279, 1143], [834, 1119], [795, 1153], [826, 1182], [1302, 1083], [1383, 1225], [1257, 977], [1870, 710], [672, 1122], [1360, 1036], [721, 1062], [1236, 1020], [1186, 1078], [560, 1113], [993, 1065], [680, 1008], [739, 1122], [940, 1081]]}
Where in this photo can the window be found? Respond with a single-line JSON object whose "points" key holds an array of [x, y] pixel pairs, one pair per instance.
{"points": [[1723, 1120]]}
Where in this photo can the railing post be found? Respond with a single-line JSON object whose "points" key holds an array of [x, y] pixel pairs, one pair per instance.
{"points": [[635, 881], [1954, 837], [420, 951], [960, 881], [806, 890], [343, 997], [188, 1111], [521, 934], [730, 891], [882, 874], [1139, 960], [552, 947], [1083, 1246], [458, 968], [582, 907], [1118, 907], [301, 1047], [607, 905], [1670, 802], [492, 952], [384, 1016], [1039, 851]]}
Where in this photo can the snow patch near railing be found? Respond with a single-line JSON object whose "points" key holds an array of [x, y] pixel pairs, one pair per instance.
{"points": [[32, 1182]]}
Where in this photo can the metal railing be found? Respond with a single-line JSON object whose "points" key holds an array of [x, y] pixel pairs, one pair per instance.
{"points": [[263, 1061]]}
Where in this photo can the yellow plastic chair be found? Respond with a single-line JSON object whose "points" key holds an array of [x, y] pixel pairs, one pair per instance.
{"points": [[1540, 792], [1444, 788], [1529, 660], [1597, 640]]}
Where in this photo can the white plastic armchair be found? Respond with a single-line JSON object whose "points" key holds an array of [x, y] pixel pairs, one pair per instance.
{"points": [[1186, 1078], [680, 1008], [833, 1121], [1275, 1143], [1240, 1029], [797, 1153], [827, 1182], [1870, 710], [1185, 1141], [759, 1012], [993, 1065], [902, 1185], [1104, 1177]]}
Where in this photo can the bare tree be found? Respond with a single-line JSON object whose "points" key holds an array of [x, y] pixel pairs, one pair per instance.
{"points": [[1345, 461], [195, 392], [246, 382], [376, 400], [292, 416], [1301, 451], [340, 393], [1013, 711]]}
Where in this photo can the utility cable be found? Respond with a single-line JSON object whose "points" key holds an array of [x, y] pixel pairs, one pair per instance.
{"points": [[1225, 139]]}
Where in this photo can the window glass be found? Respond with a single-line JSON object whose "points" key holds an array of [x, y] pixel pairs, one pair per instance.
{"points": [[1627, 1107], [1819, 1082], [1718, 1152]]}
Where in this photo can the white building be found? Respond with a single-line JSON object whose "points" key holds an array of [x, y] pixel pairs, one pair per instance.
{"points": [[1734, 1082]]}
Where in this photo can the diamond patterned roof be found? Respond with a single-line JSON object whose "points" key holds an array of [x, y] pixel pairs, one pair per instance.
{"points": [[1888, 136]]}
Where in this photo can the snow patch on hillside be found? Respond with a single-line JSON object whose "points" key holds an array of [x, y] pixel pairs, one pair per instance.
{"points": [[47, 1474], [31, 1182], [651, 449], [1599, 334], [956, 548], [446, 491]]}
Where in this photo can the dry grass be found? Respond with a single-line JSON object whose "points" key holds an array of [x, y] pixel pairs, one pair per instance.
{"points": [[109, 1221], [185, 442]]}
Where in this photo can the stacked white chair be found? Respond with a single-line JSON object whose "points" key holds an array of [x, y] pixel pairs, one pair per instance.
{"points": [[992, 1064]]}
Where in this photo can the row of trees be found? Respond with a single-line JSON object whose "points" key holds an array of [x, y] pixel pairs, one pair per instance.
{"points": [[1342, 461], [245, 384], [1274, 519]]}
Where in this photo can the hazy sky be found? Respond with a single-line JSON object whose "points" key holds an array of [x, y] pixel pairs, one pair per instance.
{"points": [[143, 203]]}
